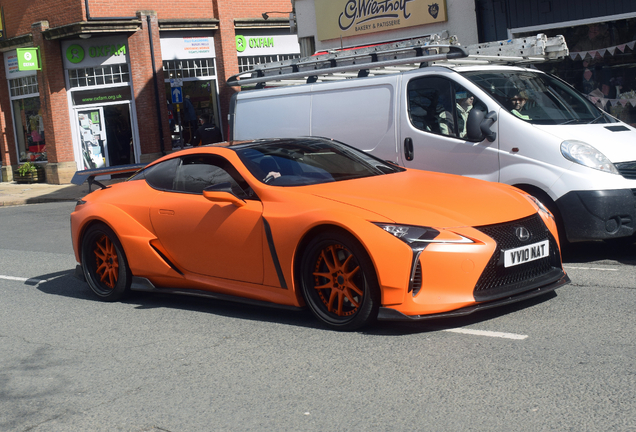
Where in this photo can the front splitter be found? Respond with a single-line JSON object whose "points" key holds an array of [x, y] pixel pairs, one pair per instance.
{"points": [[388, 314]]}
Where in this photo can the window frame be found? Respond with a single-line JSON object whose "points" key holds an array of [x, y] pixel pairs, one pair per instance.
{"points": [[453, 88], [212, 159]]}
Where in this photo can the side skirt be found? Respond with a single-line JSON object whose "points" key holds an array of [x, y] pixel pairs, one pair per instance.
{"points": [[144, 285]]}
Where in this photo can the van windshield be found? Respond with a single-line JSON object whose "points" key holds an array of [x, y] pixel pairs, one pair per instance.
{"points": [[538, 98]]}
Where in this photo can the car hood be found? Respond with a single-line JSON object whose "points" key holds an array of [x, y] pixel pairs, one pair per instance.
{"points": [[430, 199], [617, 141]]}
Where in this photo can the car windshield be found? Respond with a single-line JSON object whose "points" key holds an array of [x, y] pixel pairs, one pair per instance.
{"points": [[538, 98], [299, 162]]}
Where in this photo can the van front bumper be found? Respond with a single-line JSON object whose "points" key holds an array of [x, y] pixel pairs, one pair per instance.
{"points": [[598, 215]]}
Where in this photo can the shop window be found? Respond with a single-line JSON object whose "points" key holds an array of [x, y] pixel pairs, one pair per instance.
{"points": [[24, 86], [29, 129], [109, 74], [203, 97], [189, 68], [247, 63]]}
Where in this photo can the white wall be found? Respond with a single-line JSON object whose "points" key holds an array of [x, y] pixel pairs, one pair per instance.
{"points": [[462, 22]]}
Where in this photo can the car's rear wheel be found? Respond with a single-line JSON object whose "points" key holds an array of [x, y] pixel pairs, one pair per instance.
{"points": [[104, 263], [339, 281]]}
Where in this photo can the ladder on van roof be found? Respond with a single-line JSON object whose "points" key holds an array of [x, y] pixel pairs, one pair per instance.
{"points": [[399, 56]]}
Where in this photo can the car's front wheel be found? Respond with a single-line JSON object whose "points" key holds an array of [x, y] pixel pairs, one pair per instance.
{"points": [[339, 281], [104, 263]]}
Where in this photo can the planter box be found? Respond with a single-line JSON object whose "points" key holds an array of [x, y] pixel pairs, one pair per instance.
{"points": [[36, 176]]}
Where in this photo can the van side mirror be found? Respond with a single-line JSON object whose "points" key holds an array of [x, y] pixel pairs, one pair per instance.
{"points": [[222, 192], [478, 125]]}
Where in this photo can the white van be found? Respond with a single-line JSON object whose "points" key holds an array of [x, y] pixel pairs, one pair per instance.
{"points": [[508, 124]]}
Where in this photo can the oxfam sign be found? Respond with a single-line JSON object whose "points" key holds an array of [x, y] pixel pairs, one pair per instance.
{"points": [[75, 54], [93, 53], [242, 43], [259, 45]]}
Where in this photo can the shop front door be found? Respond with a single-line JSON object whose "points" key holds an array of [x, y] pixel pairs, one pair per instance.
{"points": [[92, 135], [106, 136], [119, 134]]}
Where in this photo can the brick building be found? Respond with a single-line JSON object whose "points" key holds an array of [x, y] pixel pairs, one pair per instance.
{"points": [[116, 76]]}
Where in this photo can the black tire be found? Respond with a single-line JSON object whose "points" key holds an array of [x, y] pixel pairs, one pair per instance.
{"points": [[104, 263], [339, 282]]}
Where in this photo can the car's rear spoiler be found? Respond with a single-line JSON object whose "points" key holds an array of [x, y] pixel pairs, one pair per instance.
{"points": [[89, 175]]}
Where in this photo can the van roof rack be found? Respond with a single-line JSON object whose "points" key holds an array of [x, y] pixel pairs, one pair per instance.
{"points": [[386, 58]]}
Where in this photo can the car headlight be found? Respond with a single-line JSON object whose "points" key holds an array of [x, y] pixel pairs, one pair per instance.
{"points": [[419, 237], [539, 204], [586, 155]]}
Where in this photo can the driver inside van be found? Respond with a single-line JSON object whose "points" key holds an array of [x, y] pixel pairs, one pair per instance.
{"points": [[517, 103], [463, 104]]}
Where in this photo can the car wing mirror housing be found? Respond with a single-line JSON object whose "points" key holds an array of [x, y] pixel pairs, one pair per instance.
{"points": [[478, 125], [222, 193]]}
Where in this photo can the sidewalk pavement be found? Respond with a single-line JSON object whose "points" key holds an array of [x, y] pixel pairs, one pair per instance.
{"points": [[12, 193]]}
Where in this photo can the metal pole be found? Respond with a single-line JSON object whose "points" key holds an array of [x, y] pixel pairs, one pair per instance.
{"points": [[180, 127]]}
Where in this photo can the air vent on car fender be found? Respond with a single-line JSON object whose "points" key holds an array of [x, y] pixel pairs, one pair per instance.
{"points": [[416, 282]]}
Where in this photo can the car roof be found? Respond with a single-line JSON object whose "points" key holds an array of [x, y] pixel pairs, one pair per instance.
{"points": [[237, 145]]}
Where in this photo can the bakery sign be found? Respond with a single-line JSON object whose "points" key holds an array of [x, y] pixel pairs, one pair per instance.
{"points": [[342, 18]]}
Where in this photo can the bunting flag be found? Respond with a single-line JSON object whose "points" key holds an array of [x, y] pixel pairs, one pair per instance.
{"points": [[613, 102], [574, 55]]}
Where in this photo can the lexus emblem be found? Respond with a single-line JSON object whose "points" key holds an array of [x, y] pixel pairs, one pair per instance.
{"points": [[522, 234]]}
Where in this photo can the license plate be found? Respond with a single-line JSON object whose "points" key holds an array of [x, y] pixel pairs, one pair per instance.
{"points": [[524, 254]]}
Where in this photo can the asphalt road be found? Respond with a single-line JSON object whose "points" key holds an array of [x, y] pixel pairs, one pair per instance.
{"points": [[68, 362]]}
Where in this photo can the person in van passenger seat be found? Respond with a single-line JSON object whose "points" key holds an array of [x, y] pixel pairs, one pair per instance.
{"points": [[517, 102]]}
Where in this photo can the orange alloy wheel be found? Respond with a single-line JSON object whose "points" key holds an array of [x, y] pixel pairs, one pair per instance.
{"points": [[339, 281], [106, 261], [335, 276]]}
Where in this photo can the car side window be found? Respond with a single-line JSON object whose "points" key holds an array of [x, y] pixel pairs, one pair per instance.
{"points": [[198, 172], [162, 175], [440, 106]]}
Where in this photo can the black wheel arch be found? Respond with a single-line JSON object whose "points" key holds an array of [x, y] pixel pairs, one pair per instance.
{"points": [[86, 227], [302, 246], [545, 199]]}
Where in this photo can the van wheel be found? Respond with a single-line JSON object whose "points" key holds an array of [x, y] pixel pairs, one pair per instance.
{"points": [[104, 263], [338, 282]]}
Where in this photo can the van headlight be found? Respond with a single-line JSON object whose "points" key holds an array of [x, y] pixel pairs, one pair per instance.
{"points": [[586, 155]]}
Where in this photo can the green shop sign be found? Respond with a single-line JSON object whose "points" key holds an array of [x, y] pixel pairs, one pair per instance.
{"points": [[76, 53], [256, 42], [28, 59]]}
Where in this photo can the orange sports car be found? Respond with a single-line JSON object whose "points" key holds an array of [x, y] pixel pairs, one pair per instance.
{"points": [[314, 222]]}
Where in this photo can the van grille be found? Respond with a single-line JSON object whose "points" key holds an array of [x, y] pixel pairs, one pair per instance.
{"points": [[497, 281], [627, 169]]}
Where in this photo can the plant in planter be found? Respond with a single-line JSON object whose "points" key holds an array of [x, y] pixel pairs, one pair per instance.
{"points": [[29, 172]]}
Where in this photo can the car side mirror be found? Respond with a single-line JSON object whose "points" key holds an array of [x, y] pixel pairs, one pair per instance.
{"points": [[478, 125], [222, 192]]}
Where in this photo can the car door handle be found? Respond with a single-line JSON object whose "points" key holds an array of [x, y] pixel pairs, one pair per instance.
{"points": [[408, 149], [166, 212]]}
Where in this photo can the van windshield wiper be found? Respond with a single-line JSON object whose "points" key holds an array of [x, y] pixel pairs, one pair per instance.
{"points": [[596, 119], [569, 122]]}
